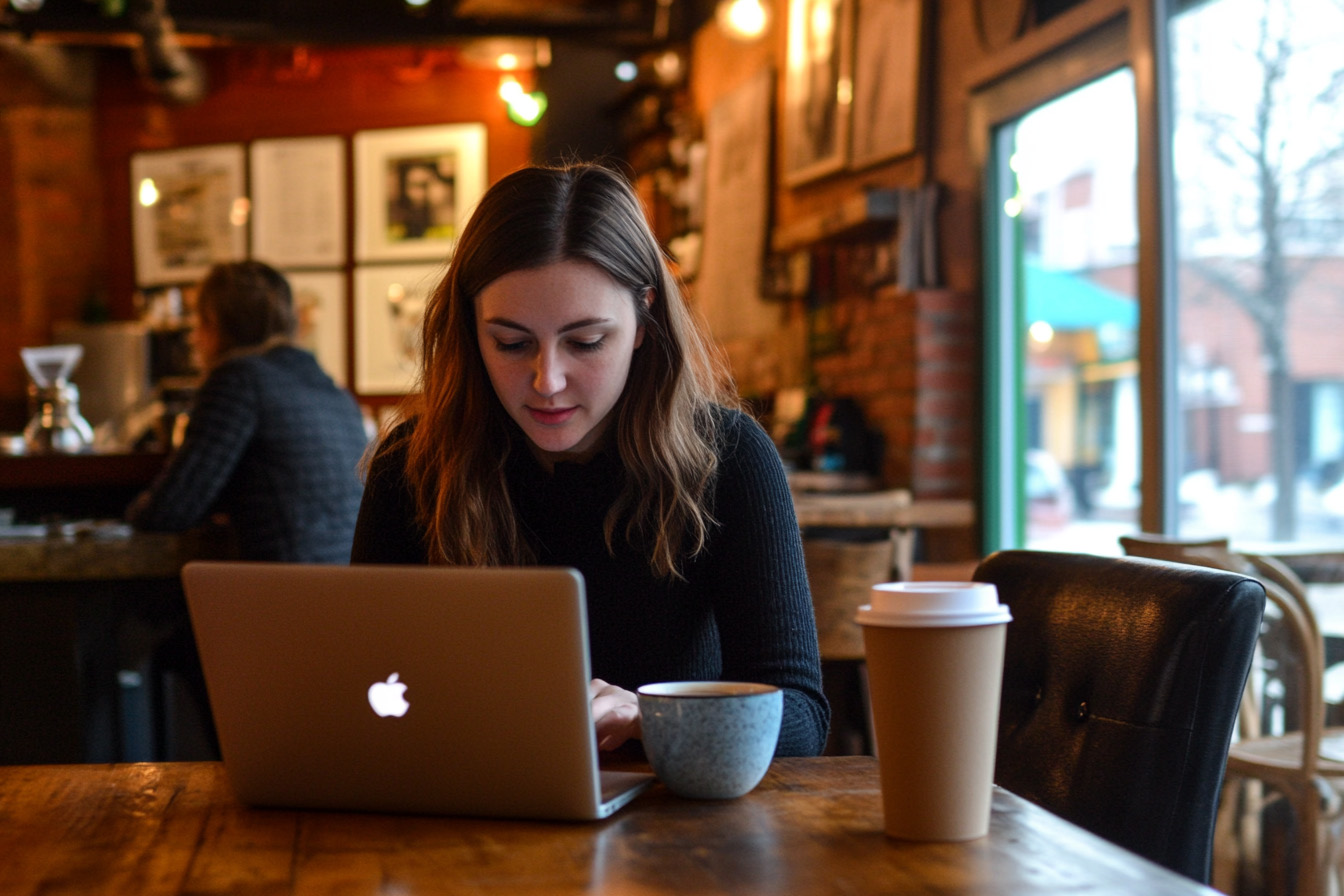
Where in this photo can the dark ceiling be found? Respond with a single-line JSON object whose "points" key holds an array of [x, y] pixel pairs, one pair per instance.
{"points": [[624, 23]]}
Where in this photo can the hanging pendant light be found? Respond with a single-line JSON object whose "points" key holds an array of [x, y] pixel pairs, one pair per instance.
{"points": [[744, 20]]}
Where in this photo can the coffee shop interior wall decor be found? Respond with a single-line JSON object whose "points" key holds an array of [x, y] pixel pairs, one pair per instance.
{"points": [[297, 191], [190, 209], [819, 87], [297, 188], [887, 46], [321, 305], [389, 306], [414, 189], [727, 287]]}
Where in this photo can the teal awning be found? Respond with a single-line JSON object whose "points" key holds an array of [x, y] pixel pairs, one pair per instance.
{"points": [[1068, 301]]}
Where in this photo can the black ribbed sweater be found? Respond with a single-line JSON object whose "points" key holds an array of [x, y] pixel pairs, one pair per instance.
{"points": [[742, 613]]}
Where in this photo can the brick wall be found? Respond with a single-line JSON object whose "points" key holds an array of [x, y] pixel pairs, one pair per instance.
{"points": [[51, 246], [910, 359]]}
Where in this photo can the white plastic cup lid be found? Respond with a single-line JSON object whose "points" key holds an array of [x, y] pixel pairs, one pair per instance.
{"points": [[933, 605]]}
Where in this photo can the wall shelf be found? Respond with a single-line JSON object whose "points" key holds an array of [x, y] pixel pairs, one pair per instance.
{"points": [[868, 213]]}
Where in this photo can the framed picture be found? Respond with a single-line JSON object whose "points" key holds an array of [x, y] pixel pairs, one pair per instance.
{"points": [[389, 306], [414, 188], [737, 203], [886, 80], [188, 211], [817, 88], [298, 201], [320, 304]]}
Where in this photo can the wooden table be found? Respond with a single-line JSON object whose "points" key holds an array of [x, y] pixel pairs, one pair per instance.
{"points": [[840, 575], [813, 826], [895, 510], [842, 572]]}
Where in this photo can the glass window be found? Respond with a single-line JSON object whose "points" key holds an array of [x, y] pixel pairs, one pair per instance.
{"points": [[1258, 122], [1244, 316], [1072, 247]]}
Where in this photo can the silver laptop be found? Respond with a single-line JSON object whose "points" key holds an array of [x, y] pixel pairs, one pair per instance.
{"points": [[416, 689]]}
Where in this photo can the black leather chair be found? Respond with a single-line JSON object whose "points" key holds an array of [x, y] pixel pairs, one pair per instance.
{"points": [[1122, 680]]}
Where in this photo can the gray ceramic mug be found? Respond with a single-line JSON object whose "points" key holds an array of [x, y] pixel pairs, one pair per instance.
{"points": [[710, 740]]}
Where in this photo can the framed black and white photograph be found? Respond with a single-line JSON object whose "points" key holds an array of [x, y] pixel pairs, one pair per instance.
{"points": [[886, 80], [321, 307], [189, 210], [817, 88], [298, 201], [389, 307], [414, 189]]}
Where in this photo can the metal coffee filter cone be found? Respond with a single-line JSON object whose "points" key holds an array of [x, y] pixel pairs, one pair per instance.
{"points": [[51, 364]]}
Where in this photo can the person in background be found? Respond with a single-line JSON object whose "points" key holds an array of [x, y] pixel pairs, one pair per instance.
{"points": [[571, 413], [272, 442]]}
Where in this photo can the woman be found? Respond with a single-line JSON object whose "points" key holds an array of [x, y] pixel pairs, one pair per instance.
{"points": [[271, 441], [570, 413]]}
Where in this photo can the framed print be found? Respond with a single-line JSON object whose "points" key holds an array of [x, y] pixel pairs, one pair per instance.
{"points": [[886, 80], [298, 201], [817, 88], [737, 202], [188, 211], [320, 304], [389, 305], [414, 188]]}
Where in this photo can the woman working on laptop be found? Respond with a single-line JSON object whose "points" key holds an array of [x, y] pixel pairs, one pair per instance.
{"points": [[572, 414]]}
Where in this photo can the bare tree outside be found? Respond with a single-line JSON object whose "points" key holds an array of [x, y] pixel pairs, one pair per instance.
{"points": [[1260, 173]]}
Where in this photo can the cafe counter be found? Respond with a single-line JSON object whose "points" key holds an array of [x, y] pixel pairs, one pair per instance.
{"points": [[82, 606], [88, 552], [37, 487]]}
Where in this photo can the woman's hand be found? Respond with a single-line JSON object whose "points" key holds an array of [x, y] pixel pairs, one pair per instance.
{"points": [[615, 714]]}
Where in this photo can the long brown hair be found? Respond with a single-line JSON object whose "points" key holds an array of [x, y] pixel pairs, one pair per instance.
{"points": [[666, 424]]}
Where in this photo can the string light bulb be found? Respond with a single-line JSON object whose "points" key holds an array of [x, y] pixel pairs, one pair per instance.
{"points": [[744, 20], [524, 108], [148, 193]]}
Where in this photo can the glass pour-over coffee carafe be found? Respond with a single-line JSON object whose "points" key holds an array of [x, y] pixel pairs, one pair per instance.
{"points": [[56, 425]]}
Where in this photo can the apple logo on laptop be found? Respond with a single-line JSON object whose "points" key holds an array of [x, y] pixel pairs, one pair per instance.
{"points": [[387, 697]]}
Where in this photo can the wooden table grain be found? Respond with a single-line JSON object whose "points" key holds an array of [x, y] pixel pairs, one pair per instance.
{"points": [[813, 826]]}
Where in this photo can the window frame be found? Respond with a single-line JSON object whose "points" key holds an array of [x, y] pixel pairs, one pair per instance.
{"points": [[1094, 39]]}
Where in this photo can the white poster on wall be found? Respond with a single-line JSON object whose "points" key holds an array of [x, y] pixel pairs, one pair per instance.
{"points": [[298, 202]]}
